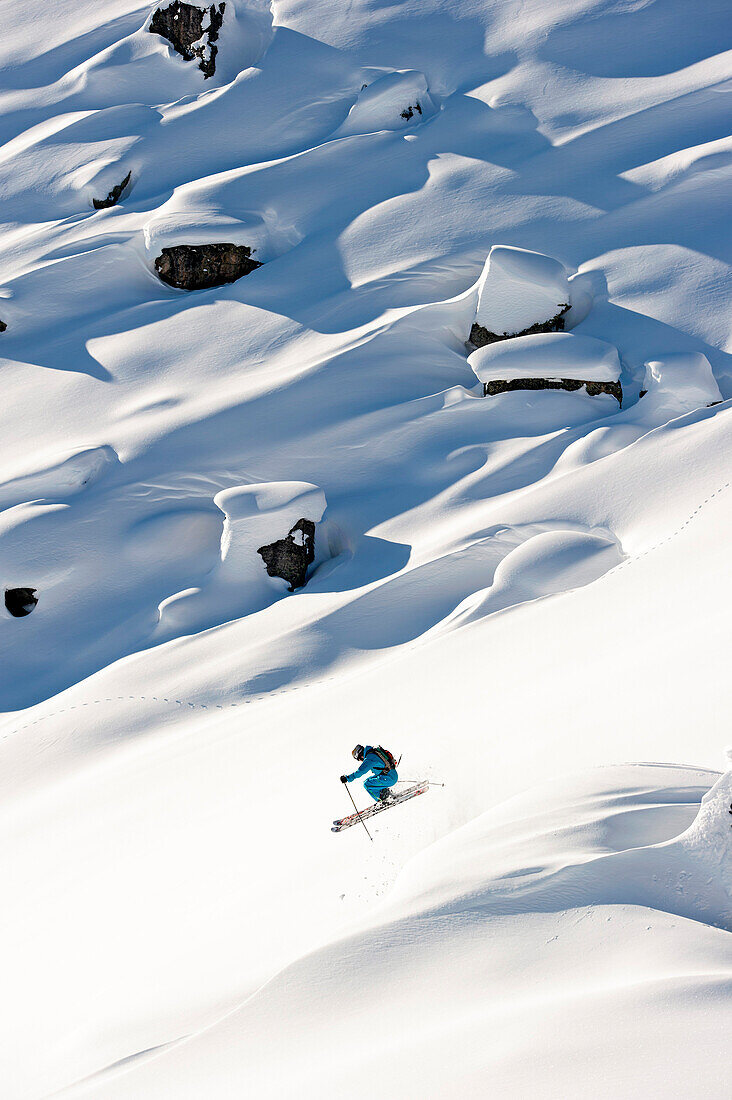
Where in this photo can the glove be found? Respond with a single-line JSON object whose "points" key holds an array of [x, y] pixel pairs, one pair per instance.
{"points": [[344, 779]]}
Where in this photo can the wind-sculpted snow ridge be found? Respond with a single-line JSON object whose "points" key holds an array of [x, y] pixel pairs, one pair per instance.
{"points": [[342, 204]]}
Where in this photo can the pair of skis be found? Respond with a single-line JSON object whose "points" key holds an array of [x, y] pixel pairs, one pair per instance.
{"points": [[379, 807]]}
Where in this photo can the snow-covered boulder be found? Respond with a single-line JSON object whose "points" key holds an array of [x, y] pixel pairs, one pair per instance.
{"points": [[191, 31], [257, 518], [552, 360], [290, 558], [220, 40], [519, 292], [679, 383], [256, 514], [197, 217], [393, 101], [199, 267], [20, 601], [114, 194], [197, 247]]}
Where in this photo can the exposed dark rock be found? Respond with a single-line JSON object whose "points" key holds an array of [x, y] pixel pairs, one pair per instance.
{"points": [[114, 195], [480, 336], [408, 112], [198, 267], [490, 389], [3, 326], [190, 33], [20, 601], [289, 558], [642, 394]]}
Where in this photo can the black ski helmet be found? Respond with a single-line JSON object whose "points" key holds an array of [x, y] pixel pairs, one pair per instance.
{"points": [[357, 753]]}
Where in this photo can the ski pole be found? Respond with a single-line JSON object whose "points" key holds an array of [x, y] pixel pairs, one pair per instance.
{"points": [[368, 834]]}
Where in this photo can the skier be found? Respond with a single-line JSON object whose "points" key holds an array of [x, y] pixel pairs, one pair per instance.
{"points": [[383, 765]]}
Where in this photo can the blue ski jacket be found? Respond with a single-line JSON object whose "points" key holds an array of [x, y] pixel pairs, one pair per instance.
{"points": [[372, 762]]}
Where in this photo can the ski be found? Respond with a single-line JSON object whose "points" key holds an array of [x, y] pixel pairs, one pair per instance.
{"points": [[379, 807]]}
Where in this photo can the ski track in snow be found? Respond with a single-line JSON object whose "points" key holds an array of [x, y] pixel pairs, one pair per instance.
{"points": [[510, 590]]}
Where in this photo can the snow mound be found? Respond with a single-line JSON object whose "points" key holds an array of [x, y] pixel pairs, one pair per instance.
{"points": [[245, 33], [519, 289], [395, 101], [679, 383], [705, 850], [64, 478], [550, 355]]}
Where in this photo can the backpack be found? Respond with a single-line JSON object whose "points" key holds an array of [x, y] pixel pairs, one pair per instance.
{"points": [[387, 757]]}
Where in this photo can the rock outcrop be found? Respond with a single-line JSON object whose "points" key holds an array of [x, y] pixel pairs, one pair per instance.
{"points": [[408, 112], [3, 326], [199, 267], [114, 195], [191, 32], [20, 601], [480, 336], [490, 389], [290, 558]]}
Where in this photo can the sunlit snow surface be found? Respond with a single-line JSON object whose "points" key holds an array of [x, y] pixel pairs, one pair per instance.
{"points": [[517, 593]]}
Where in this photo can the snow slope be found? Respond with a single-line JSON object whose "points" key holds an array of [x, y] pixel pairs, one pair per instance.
{"points": [[548, 877], [507, 591]]}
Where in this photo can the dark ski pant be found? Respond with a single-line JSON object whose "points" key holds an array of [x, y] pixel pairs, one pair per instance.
{"points": [[376, 783]]}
